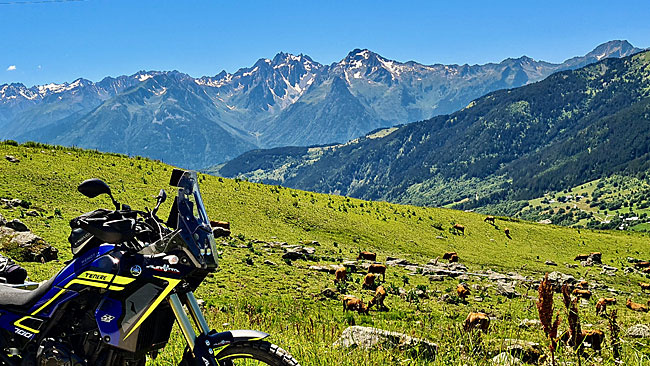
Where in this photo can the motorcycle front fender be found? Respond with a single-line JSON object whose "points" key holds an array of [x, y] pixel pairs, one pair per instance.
{"points": [[208, 346]]}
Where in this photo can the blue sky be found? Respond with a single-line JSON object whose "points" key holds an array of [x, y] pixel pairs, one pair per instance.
{"points": [[61, 41]]}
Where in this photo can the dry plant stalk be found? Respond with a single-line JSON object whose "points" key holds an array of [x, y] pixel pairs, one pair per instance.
{"points": [[614, 330], [545, 310]]}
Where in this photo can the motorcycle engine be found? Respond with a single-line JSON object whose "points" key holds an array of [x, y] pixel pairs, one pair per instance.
{"points": [[57, 354]]}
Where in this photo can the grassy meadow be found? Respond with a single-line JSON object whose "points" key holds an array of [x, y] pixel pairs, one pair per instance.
{"points": [[284, 299]]}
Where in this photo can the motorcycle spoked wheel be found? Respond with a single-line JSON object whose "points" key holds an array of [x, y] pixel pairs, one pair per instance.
{"points": [[254, 354]]}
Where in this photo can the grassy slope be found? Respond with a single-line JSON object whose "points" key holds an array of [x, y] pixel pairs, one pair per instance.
{"points": [[279, 299]]}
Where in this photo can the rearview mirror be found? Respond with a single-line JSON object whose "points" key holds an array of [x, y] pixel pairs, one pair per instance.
{"points": [[162, 195], [92, 188]]}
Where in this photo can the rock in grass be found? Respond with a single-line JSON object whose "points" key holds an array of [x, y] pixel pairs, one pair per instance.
{"points": [[638, 331], [371, 338], [505, 359], [550, 263], [17, 225], [12, 159], [270, 263], [507, 289], [25, 246]]}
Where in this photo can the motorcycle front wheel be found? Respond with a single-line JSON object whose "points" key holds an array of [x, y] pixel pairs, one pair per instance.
{"points": [[254, 354]]}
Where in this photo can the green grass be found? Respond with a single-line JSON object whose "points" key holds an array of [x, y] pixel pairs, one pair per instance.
{"points": [[282, 300]]}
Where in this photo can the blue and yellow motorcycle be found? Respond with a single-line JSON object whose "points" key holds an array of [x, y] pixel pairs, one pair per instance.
{"points": [[132, 276]]}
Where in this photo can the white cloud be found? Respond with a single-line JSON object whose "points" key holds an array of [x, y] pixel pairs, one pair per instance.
{"points": [[11, 68]]}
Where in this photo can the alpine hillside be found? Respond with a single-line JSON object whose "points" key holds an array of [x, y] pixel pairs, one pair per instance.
{"points": [[503, 148], [286, 100]]}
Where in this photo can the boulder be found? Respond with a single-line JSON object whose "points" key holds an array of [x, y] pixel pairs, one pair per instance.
{"points": [[12, 203], [638, 331], [526, 351], [372, 338], [550, 263], [505, 359], [294, 252], [32, 213], [12, 159], [25, 246], [270, 263], [559, 279], [17, 225], [327, 269], [507, 289], [530, 323]]}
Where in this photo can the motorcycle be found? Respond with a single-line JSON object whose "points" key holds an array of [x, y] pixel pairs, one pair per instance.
{"points": [[131, 277]]}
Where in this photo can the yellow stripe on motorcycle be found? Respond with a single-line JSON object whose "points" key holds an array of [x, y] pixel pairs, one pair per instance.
{"points": [[236, 355], [19, 321], [171, 283]]}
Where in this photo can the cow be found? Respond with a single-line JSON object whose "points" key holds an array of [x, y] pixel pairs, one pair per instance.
{"points": [[581, 257], [583, 284], [635, 306], [459, 228], [448, 255], [354, 304], [644, 286], [340, 275], [644, 264], [378, 269], [593, 337], [380, 295], [453, 259], [601, 306], [489, 219], [369, 281], [462, 291], [367, 256], [220, 228], [585, 294], [646, 270], [475, 321]]}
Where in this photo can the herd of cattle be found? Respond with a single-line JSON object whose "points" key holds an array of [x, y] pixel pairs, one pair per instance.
{"points": [[481, 321]]}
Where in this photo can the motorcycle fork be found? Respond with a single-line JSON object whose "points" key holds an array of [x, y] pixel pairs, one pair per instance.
{"points": [[184, 321]]}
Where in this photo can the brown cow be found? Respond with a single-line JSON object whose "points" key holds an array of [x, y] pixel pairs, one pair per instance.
{"points": [[644, 286], [635, 306], [601, 306], [610, 300], [478, 321], [585, 294], [583, 284], [353, 304], [378, 269], [380, 295], [593, 337], [453, 259], [462, 291], [489, 219], [646, 270], [367, 256], [581, 257], [340, 275], [644, 264], [459, 227], [220, 228], [368, 281], [448, 255]]}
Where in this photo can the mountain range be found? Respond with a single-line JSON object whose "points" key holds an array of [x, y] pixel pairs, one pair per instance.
{"points": [[287, 100], [507, 146]]}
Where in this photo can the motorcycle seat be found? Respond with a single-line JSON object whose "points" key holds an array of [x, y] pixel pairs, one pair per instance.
{"points": [[23, 299]]}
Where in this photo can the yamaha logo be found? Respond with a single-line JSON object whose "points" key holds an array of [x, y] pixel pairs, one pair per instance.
{"points": [[136, 270]]}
